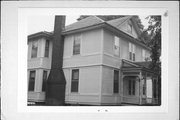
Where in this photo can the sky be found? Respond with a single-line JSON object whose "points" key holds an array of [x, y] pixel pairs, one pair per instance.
{"points": [[46, 23]]}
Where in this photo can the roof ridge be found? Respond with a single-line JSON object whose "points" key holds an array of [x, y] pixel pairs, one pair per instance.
{"points": [[99, 18], [88, 21], [128, 17]]}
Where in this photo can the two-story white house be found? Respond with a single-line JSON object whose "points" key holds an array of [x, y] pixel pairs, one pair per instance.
{"points": [[103, 63]]}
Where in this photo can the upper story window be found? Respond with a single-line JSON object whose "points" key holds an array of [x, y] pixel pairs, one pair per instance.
{"points": [[116, 46], [34, 49], [132, 52], [75, 80], [129, 28], [76, 45], [44, 80], [46, 54], [143, 55], [116, 81], [32, 77]]}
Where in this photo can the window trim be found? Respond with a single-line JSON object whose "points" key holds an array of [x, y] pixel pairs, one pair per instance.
{"points": [[116, 82], [30, 80], [45, 49], [34, 42], [44, 80], [114, 45], [74, 80], [80, 36], [132, 51]]}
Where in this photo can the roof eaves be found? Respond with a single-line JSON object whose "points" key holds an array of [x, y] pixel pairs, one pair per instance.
{"points": [[129, 62], [83, 29], [126, 35], [136, 26], [39, 34]]}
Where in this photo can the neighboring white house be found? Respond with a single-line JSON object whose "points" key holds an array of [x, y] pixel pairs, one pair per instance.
{"points": [[103, 63]]}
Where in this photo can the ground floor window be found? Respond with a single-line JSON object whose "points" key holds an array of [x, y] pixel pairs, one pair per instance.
{"points": [[32, 76], [132, 87], [44, 80], [154, 89], [116, 81], [75, 80], [144, 87]]}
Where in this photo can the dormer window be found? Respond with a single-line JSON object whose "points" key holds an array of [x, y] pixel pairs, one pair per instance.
{"points": [[129, 28]]}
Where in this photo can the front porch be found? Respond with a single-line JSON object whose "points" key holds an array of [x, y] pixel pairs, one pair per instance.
{"points": [[138, 84]]}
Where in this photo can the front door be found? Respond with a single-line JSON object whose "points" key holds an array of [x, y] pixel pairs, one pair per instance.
{"points": [[131, 89]]}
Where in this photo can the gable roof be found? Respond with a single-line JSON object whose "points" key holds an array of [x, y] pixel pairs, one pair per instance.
{"points": [[119, 21], [134, 66], [93, 22], [144, 64], [86, 22]]}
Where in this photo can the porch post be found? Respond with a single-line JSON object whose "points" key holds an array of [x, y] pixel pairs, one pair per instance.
{"points": [[152, 89], [140, 88], [122, 86], [157, 88], [145, 85]]}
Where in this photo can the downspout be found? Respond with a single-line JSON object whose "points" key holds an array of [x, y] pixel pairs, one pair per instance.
{"points": [[55, 87]]}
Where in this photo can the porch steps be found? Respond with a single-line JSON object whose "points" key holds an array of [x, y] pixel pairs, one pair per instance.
{"points": [[129, 104]]}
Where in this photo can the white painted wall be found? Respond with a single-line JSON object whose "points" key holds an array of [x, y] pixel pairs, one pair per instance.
{"points": [[37, 95], [107, 80], [138, 53], [89, 85], [38, 64], [40, 61], [88, 63], [90, 43], [108, 50], [107, 95], [90, 50]]}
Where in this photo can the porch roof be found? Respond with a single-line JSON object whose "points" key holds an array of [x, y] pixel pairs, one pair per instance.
{"points": [[135, 66]]}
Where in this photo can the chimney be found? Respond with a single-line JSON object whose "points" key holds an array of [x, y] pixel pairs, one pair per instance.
{"points": [[55, 88]]}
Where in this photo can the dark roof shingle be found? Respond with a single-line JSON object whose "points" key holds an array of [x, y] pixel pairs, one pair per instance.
{"points": [[89, 21], [118, 22], [145, 64]]}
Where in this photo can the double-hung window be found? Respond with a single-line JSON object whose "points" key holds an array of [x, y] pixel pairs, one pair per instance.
{"points": [[144, 87], [75, 80], [116, 46], [34, 49], [132, 87], [46, 53], [44, 80], [116, 81], [76, 44], [32, 76], [143, 55], [132, 52]]}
